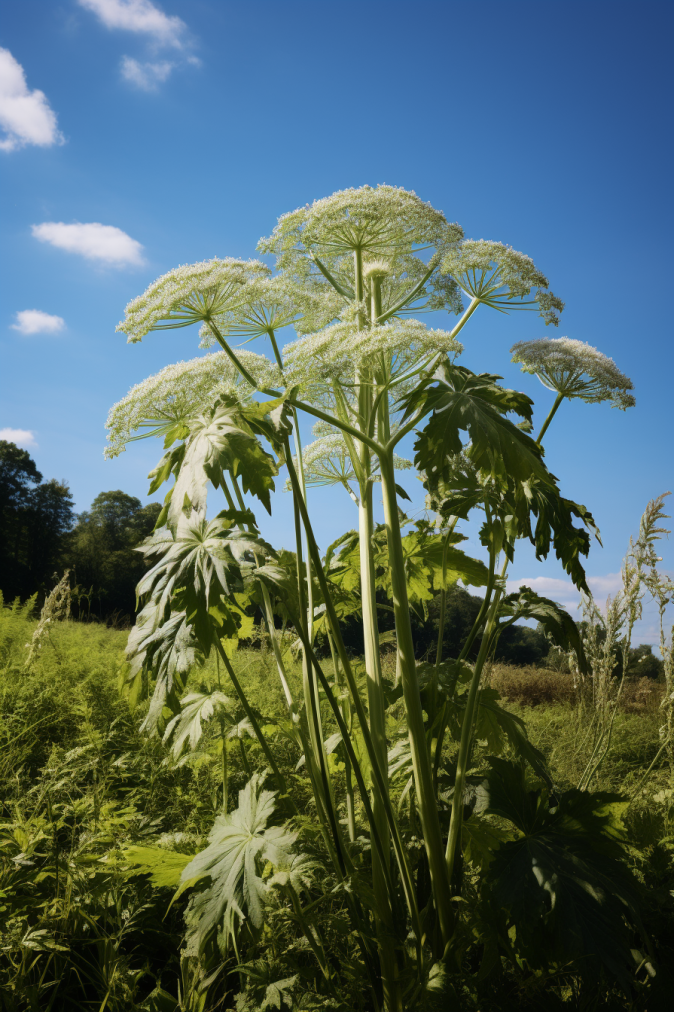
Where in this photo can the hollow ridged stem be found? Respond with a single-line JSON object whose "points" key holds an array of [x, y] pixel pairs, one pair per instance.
{"points": [[553, 410], [394, 829], [223, 741], [375, 694], [421, 763], [347, 717], [454, 838]]}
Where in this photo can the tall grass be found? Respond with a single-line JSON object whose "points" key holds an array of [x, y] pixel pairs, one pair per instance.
{"points": [[81, 788]]}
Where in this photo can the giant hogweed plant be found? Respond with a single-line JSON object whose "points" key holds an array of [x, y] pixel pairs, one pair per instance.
{"points": [[420, 852]]}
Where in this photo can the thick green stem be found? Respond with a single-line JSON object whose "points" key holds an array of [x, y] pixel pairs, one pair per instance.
{"points": [[256, 727], [421, 762], [223, 741], [375, 694], [443, 592], [380, 784], [553, 410], [225, 778], [347, 717], [454, 839], [232, 356]]}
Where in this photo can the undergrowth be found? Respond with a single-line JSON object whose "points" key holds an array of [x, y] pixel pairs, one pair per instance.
{"points": [[83, 792]]}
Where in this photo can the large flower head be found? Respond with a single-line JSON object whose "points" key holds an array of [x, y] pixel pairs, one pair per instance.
{"points": [[190, 294], [575, 369], [182, 391], [317, 243], [500, 277], [339, 352], [327, 461], [265, 306]]}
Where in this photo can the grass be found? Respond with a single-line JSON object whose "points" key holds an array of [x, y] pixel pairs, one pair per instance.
{"points": [[79, 784]]}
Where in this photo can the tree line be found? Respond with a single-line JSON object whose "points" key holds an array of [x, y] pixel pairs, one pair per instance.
{"points": [[41, 535]]}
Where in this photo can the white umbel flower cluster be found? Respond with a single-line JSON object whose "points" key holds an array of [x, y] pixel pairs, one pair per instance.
{"points": [[327, 461], [270, 304], [498, 275], [575, 369], [339, 351], [182, 391], [190, 294], [375, 220]]}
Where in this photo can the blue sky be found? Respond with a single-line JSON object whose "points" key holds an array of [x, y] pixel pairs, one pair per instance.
{"points": [[191, 126]]}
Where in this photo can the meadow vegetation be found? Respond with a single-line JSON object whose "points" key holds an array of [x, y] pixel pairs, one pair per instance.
{"points": [[305, 784], [87, 800]]}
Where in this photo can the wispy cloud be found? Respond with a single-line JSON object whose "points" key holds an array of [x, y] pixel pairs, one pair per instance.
{"points": [[161, 31], [104, 243], [25, 116], [646, 629], [564, 592], [34, 321], [140, 16], [145, 75], [22, 437]]}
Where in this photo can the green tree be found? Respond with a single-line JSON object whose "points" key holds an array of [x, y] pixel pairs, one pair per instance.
{"points": [[35, 517], [102, 553]]}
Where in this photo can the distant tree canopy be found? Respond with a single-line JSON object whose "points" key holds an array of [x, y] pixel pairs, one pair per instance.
{"points": [[40, 536], [35, 517], [519, 644], [101, 553]]}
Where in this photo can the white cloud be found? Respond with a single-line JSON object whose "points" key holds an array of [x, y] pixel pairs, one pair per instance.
{"points": [[145, 75], [25, 116], [139, 16], [646, 629], [602, 586], [22, 437], [34, 321], [92, 240]]}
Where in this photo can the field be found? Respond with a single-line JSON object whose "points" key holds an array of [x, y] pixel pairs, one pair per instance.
{"points": [[86, 797]]}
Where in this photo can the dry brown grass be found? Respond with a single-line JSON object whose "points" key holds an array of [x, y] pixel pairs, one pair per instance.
{"points": [[531, 686]]}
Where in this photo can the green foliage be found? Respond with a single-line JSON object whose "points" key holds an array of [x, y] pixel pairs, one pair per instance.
{"points": [[239, 844], [554, 620], [562, 884], [35, 517], [84, 791], [101, 553], [463, 401], [219, 441]]}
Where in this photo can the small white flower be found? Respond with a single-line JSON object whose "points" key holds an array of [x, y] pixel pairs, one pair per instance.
{"points": [[181, 391], [575, 369], [374, 220], [190, 294], [501, 277], [327, 461], [267, 305], [341, 350]]}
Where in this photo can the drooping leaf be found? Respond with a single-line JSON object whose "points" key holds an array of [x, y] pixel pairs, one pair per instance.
{"points": [[530, 508], [462, 401], [496, 725], [217, 441], [240, 844], [563, 884], [163, 866], [195, 708], [555, 620]]}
